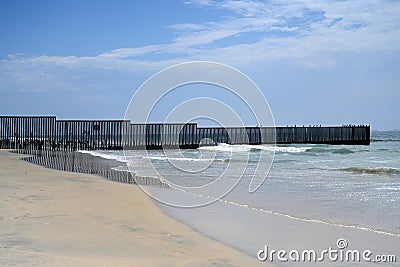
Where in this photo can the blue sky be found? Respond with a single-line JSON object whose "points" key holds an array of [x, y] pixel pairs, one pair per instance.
{"points": [[317, 62]]}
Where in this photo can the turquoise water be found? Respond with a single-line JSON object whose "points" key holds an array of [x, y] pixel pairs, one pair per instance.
{"points": [[343, 187], [351, 185]]}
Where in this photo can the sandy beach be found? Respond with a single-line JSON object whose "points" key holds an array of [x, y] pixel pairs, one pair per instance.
{"points": [[55, 218]]}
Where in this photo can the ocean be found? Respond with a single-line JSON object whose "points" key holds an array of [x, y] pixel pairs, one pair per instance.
{"points": [[339, 188]]}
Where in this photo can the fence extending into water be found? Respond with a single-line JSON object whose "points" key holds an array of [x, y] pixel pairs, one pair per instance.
{"points": [[48, 133]]}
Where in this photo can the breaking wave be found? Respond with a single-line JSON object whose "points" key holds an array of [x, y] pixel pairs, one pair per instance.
{"points": [[370, 170], [255, 148], [330, 150], [184, 159], [106, 155]]}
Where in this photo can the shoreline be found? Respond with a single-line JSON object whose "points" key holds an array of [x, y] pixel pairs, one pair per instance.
{"points": [[81, 162], [51, 217]]}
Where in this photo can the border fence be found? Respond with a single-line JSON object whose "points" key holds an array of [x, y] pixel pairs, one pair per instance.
{"points": [[48, 133], [85, 163]]}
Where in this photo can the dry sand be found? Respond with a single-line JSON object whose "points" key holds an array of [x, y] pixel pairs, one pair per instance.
{"points": [[53, 218]]}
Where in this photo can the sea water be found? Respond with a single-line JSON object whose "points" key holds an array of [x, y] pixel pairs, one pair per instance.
{"points": [[338, 185]]}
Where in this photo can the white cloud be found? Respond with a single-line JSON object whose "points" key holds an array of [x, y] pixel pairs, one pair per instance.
{"points": [[330, 26], [304, 32]]}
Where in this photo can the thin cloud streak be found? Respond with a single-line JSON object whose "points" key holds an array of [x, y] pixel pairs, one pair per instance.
{"points": [[309, 33]]}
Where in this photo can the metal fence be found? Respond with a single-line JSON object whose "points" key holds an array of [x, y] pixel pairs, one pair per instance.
{"points": [[48, 133]]}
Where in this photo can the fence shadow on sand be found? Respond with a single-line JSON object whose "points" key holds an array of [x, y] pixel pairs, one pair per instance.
{"points": [[71, 161]]}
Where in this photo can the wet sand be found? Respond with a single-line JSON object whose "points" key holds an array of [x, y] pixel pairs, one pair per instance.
{"points": [[56, 218]]}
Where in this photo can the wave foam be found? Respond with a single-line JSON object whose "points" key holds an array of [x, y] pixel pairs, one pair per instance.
{"points": [[181, 159], [292, 217], [103, 155], [255, 148]]}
